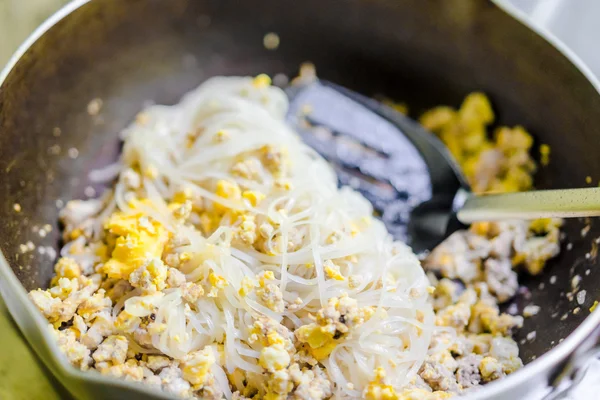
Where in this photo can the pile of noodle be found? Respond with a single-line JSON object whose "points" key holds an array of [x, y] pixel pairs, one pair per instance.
{"points": [[308, 213]]}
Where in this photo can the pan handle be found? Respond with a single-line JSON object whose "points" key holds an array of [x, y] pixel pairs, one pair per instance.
{"points": [[572, 370]]}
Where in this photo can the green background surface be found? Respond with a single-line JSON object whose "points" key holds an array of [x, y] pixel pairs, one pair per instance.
{"points": [[22, 375]]}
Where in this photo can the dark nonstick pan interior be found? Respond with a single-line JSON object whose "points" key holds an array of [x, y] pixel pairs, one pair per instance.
{"points": [[425, 53]]}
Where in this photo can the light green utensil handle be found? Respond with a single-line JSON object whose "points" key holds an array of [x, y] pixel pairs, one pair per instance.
{"points": [[563, 203]]}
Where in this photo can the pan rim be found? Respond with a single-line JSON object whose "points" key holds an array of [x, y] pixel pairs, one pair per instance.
{"points": [[555, 356], [11, 288], [13, 291]]}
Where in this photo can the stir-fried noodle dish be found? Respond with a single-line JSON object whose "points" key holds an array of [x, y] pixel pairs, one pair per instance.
{"points": [[225, 262]]}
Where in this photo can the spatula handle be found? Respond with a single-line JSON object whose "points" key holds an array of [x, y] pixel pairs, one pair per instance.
{"points": [[563, 203]]}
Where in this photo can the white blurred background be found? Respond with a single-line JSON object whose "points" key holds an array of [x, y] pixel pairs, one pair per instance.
{"points": [[18, 18], [574, 22]]}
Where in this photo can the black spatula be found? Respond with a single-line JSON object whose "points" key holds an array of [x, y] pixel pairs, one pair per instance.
{"points": [[407, 173]]}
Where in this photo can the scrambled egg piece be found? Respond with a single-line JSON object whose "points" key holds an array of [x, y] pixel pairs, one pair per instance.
{"points": [[274, 357], [332, 271], [228, 190], [150, 277], [247, 229], [492, 321], [378, 390], [192, 292], [268, 332], [456, 315], [544, 225], [77, 353], [490, 369], [279, 385], [64, 288], [127, 322], [46, 303], [217, 282], [332, 323], [319, 339], [209, 222], [261, 81], [129, 371], [269, 293], [138, 239], [183, 195], [67, 267], [253, 197], [196, 366], [248, 284], [113, 349], [266, 276], [181, 211], [94, 304], [248, 168], [499, 165], [275, 159]]}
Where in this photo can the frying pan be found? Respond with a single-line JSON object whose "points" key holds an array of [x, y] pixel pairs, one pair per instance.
{"points": [[426, 53]]}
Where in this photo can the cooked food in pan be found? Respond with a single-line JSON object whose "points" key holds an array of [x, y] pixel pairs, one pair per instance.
{"points": [[225, 262]]}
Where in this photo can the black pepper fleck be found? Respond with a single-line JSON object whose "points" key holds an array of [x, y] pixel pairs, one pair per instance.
{"points": [[65, 325]]}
